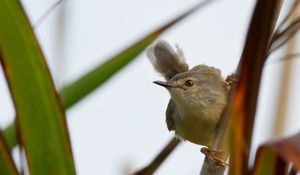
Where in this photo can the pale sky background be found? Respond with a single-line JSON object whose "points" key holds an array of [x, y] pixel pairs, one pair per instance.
{"points": [[121, 125]]}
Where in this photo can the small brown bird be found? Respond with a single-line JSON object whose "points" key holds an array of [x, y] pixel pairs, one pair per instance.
{"points": [[198, 95]]}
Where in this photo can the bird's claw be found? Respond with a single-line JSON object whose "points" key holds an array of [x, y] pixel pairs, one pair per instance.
{"points": [[230, 79], [211, 155]]}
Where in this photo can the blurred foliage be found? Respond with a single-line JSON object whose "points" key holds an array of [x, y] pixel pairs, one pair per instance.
{"points": [[6, 162], [84, 85], [276, 157], [41, 122]]}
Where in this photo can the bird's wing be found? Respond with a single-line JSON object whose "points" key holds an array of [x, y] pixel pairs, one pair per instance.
{"points": [[165, 60], [171, 114]]}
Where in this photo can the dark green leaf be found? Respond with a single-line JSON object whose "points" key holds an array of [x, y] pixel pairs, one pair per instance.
{"points": [[77, 90], [7, 165], [10, 135], [40, 117]]}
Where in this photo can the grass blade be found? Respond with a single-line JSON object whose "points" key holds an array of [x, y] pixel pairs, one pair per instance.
{"points": [[283, 37], [77, 90], [280, 118], [10, 135], [40, 117], [7, 165], [250, 69], [288, 16]]}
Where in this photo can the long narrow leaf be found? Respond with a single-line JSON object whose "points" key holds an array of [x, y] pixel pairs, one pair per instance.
{"points": [[10, 135], [283, 37], [282, 152], [250, 69], [95, 78], [84, 85], [7, 165], [40, 117], [268, 162]]}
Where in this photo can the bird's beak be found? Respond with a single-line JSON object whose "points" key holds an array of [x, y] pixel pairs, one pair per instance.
{"points": [[164, 84]]}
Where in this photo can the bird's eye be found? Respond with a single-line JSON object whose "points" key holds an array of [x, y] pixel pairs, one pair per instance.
{"points": [[189, 83]]}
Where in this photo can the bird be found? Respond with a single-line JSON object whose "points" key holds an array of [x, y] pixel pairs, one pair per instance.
{"points": [[198, 95]]}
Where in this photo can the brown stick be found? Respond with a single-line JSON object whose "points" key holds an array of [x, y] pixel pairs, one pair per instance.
{"points": [[153, 166]]}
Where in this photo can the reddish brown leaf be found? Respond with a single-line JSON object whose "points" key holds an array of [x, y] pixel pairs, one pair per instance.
{"points": [[250, 70], [274, 157]]}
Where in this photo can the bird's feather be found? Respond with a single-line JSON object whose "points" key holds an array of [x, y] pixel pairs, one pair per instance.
{"points": [[171, 112], [167, 61]]}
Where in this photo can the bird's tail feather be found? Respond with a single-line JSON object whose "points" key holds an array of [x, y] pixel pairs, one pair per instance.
{"points": [[165, 60]]}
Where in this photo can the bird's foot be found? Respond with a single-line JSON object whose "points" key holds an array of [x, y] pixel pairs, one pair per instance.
{"points": [[211, 154], [230, 79]]}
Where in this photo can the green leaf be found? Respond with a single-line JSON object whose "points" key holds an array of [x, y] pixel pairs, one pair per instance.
{"points": [[40, 117], [10, 135], [77, 90], [7, 165]]}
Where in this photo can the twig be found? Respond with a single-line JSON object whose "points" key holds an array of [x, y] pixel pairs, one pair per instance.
{"points": [[153, 166], [220, 141]]}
